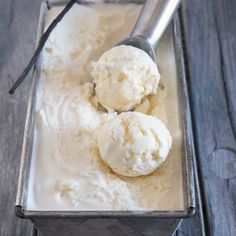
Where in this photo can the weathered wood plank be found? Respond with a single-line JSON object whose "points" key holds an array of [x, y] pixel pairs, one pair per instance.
{"points": [[211, 45], [18, 24]]}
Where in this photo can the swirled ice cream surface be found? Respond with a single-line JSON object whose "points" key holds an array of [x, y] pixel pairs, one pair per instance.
{"points": [[66, 170]]}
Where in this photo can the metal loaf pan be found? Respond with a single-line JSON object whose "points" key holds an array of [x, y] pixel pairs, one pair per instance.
{"points": [[115, 222]]}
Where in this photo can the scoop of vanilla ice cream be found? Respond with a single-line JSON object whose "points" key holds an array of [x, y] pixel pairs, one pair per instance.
{"points": [[123, 76], [133, 143]]}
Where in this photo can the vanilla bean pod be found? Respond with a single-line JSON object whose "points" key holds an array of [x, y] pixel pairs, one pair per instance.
{"points": [[41, 45]]}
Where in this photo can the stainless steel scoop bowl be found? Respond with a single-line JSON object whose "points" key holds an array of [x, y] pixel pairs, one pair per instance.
{"points": [[151, 24]]}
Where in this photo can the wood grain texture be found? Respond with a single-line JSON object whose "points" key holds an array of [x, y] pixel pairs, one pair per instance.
{"points": [[18, 21], [211, 43]]}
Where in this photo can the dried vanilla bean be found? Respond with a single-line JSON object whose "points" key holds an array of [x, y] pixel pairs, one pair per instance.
{"points": [[41, 45]]}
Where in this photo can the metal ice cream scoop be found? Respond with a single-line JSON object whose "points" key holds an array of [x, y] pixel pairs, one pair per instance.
{"points": [[151, 24]]}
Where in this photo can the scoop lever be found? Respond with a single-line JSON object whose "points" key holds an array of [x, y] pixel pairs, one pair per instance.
{"points": [[151, 24]]}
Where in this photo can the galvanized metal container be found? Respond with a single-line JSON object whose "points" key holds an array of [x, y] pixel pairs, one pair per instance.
{"points": [[110, 222]]}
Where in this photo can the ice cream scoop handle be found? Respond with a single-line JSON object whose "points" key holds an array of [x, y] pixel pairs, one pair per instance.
{"points": [[154, 19]]}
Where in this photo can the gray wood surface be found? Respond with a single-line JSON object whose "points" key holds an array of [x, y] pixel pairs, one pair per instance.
{"points": [[211, 43], [18, 24]]}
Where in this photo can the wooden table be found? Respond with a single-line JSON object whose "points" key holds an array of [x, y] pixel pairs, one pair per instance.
{"points": [[211, 48]]}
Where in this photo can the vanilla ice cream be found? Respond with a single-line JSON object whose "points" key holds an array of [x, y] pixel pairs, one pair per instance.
{"points": [[67, 172], [123, 76], [133, 143]]}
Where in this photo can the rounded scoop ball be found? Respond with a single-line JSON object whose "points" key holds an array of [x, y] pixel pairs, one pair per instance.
{"points": [[124, 75], [133, 144]]}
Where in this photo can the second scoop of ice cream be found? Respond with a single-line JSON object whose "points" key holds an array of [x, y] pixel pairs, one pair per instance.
{"points": [[123, 76], [133, 144]]}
